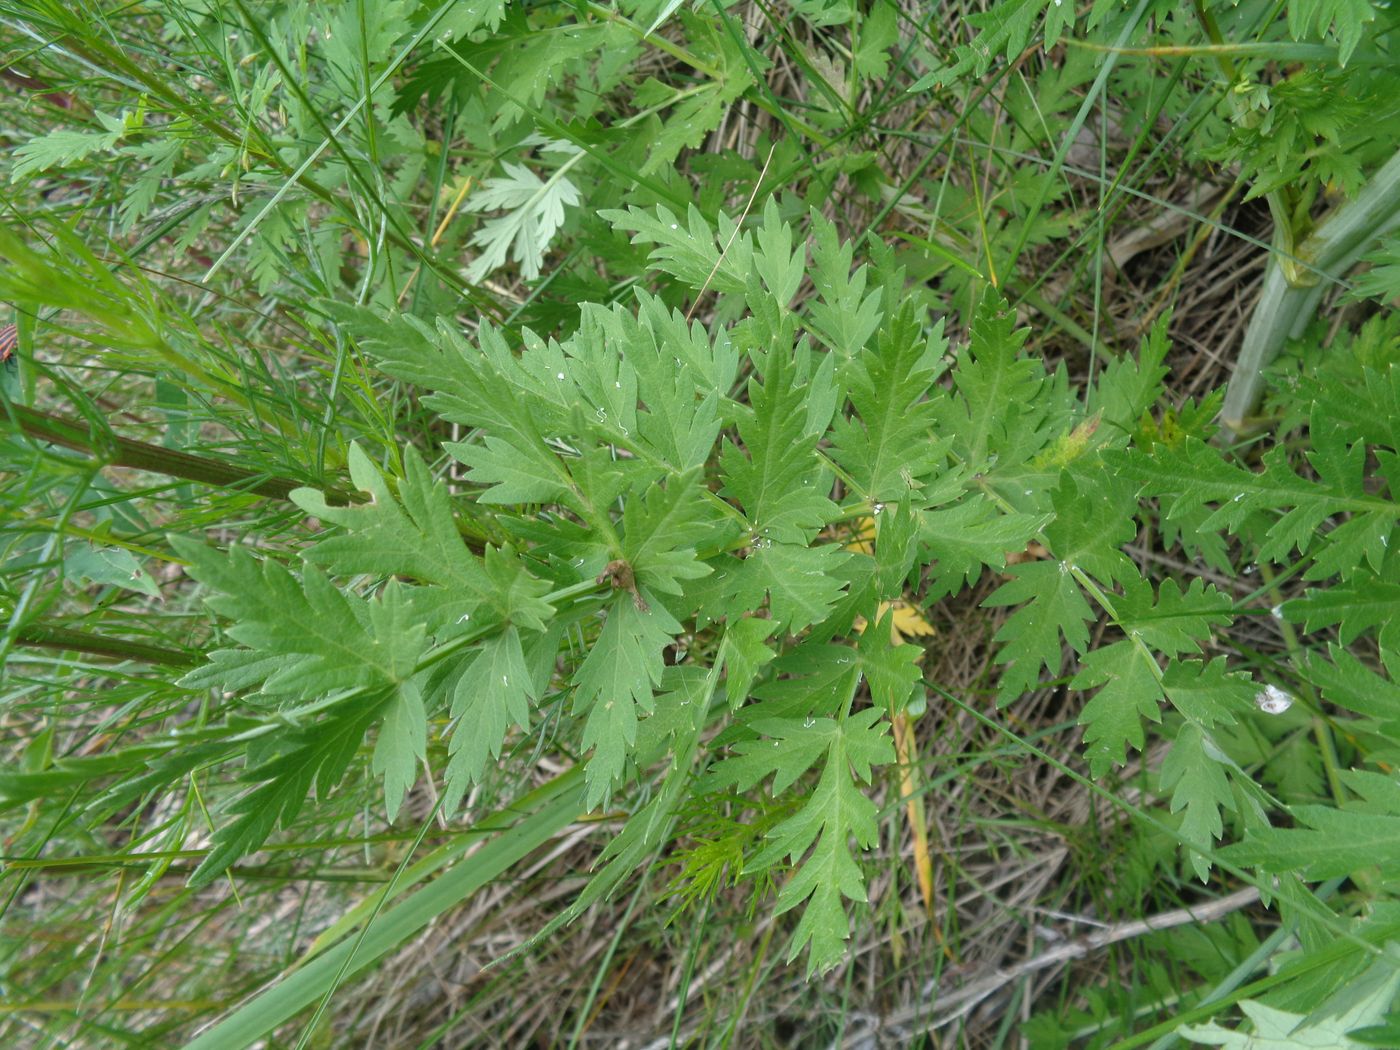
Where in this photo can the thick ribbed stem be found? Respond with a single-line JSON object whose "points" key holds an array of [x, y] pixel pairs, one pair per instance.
{"points": [[1284, 308]]}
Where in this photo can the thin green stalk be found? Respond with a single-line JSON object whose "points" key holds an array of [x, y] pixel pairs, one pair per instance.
{"points": [[47, 636], [113, 451]]}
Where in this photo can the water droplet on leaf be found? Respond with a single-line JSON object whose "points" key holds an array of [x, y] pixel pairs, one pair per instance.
{"points": [[1272, 700]]}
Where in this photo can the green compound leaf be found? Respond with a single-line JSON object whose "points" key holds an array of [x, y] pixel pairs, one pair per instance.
{"points": [[775, 474], [1052, 605], [615, 684], [493, 694], [836, 813], [1200, 789], [888, 446], [315, 757], [1132, 691], [1329, 841]]}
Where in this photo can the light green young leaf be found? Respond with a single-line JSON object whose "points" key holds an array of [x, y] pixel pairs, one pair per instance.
{"points": [[1129, 386], [534, 214], [774, 260], [680, 376], [510, 478], [63, 147], [891, 671]]}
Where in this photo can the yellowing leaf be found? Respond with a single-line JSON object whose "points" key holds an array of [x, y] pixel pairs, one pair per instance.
{"points": [[906, 621]]}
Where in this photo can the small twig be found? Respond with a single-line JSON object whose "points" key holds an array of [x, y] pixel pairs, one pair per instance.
{"points": [[959, 1001]]}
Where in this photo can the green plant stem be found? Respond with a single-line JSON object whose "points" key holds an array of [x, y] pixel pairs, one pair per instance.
{"points": [[1320, 723], [1284, 308], [114, 451], [1285, 233], [44, 636]]}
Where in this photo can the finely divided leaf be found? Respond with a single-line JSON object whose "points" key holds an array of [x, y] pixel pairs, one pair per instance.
{"points": [[414, 535], [1350, 684], [1192, 476], [64, 146], [776, 475], [534, 211], [662, 529], [822, 829], [615, 683], [315, 756], [802, 583], [1112, 719], [1364, 604], [492, 695], [1030, 639], [744, 653], [323, 638], [1194, 774], [689, 250], [969, 535], [1207, 693], [1006, 409], [846, 314], [889, 447], [1328, 842]]}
